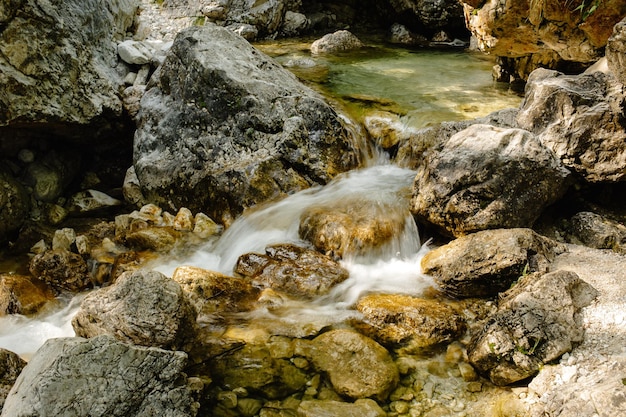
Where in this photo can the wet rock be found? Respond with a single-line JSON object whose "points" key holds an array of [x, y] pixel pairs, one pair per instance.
{"points": [[360, 408], [257, 132], [204, 227], [252, 367], [214, 294], [46, 49], [411, 322], [580, 119], [485, 263], [487, 177], [295, 270], [62, 269], [101, 377], [538, 320], [143, 307], [357, 366], [19, 294], [351, 228], [14, 205], [64, 238], [598, 232], [10, 367], [332, 43], [616, 51]]}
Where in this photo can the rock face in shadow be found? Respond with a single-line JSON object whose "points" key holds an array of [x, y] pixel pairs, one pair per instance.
{"points": [[487, 177], [488, 262], [581, 119], [11, 366], [223, 127], [143, 307], [101, 377], [538, 320]]}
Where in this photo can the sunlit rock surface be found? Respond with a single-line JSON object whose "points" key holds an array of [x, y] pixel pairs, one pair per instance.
{"points": [[542, 33], [144, 308], [21, 294], [101, 377], [340, 41], [538, 320], [487, 177], [223, 127], [400, 320], [580, 118], [485, 263], [58, 62]]}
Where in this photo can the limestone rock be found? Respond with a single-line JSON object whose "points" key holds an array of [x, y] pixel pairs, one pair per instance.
{"points": [[332, 43], [580, 119], [401, 35], [10, 367], [143, 307], [357, 366], [214, 294], [20, 295], [538, 320], [159, 239], [58, 63], [488, 262], [257, 132], [566, 31], [14, 205], [135, 52], [616, 51], [323, 408], [352, 227], [408, 321], [295, 270], [90, 201], [486, 177], [101, 377], [62, 269], [294, 24], [412, 149]]}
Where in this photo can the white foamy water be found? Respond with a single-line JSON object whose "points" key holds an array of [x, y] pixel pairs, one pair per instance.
{"points": [[24, 335]]}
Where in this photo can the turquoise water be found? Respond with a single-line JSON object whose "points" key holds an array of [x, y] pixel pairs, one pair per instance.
{"points": [[423, 86]]}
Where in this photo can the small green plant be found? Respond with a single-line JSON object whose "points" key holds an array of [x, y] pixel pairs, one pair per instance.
{"points": [[585, 7], [530, 351]]}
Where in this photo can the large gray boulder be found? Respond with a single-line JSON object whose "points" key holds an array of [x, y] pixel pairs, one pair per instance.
{"points": [[75, 377], [538, 320], [580, 118], [223, 127], [57, 65], [486, 177], [143, 307]]}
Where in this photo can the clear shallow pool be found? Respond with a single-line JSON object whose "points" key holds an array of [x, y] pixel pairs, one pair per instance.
{"points": [[425, 86]]}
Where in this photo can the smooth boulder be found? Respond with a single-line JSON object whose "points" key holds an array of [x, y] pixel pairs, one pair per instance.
{"points": [[223, 127], [486, 177]]}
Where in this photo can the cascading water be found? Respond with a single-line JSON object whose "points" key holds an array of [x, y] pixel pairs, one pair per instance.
{"points": [[429, 87]]}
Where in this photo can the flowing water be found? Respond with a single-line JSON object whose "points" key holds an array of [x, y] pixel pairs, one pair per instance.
{"points": [[424, 87]]}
